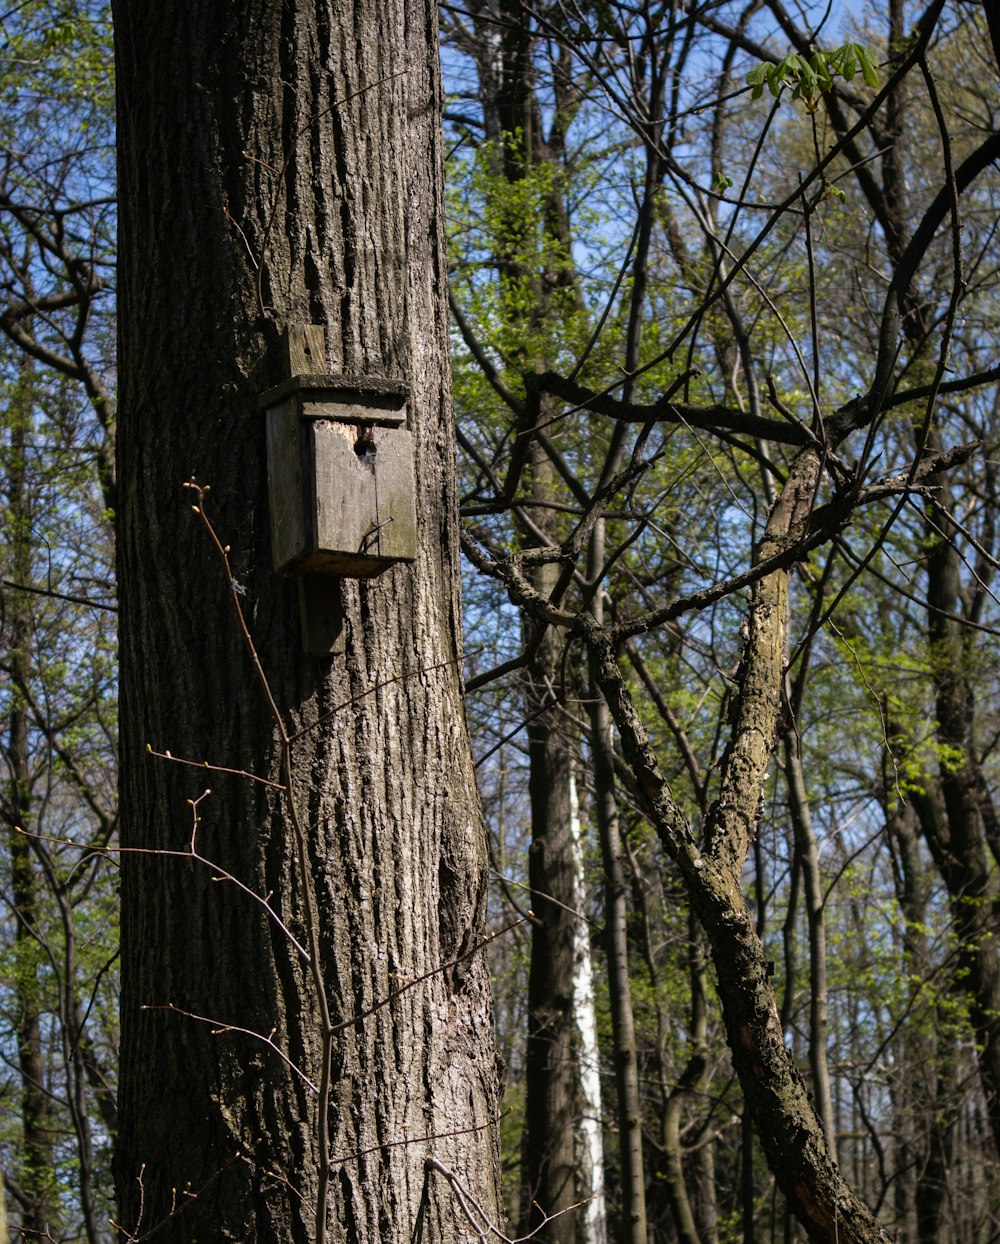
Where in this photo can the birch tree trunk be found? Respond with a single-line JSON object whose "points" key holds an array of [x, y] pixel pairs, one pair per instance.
{"points": [[589, 1135]]}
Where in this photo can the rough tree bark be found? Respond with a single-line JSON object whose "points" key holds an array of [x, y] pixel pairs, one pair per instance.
{"points": [[281, 164]]}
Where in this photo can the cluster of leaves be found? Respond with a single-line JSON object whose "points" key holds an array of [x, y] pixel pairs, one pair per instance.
{"points": [[809, 76]]}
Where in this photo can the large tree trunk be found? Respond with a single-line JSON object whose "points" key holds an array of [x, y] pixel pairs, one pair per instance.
{"points": [[282, 164]]}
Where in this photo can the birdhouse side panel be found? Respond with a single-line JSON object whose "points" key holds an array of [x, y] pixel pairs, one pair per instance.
{"points": [[289, 533]]}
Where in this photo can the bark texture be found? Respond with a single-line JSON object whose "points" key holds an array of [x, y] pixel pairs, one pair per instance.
{"points": [[280, 165]]}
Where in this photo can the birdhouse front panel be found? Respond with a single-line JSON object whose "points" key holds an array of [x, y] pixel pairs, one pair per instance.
{"points": [[342, 493], [364, 503]]}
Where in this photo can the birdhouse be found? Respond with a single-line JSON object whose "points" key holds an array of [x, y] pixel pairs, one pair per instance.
{"points": [[340, 468]]}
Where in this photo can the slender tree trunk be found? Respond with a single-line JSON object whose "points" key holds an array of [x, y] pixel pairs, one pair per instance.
{"points": [[550, 1169], [748, 1186], [707, 1190], [808, 856], [953, 814], [41, 1218], [691, 1081], [282, 165], [590, 1118], [925, 1091], [37, 1165], [633, 1210], [548, 1153], [955, 808], [689, 1179]]}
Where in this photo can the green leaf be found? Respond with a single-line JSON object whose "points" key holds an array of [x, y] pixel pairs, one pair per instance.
{"points": [[819, 63], [869, 70]]}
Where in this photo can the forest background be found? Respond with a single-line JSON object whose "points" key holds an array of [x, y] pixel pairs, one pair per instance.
{"points": [[724, 323]]}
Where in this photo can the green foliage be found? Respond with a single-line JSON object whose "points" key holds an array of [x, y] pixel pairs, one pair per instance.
{"points": [[515, 273], [59, 55], [809, 77]]}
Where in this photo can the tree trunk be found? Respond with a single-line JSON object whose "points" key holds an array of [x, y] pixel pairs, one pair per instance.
{"points": [[955, 808], [552, 1178], [548, 1162], [40, 1217], [633, 1170], [807, 851], [925, 1088], [282, 165], [590, 1117], [791, 1135]]}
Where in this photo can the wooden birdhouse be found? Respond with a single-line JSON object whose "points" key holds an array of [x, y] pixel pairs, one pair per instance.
{"points": [[340, 468]]}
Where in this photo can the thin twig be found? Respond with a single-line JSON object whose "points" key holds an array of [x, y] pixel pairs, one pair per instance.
{"points": [[203, 764], [221, 1026]]}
